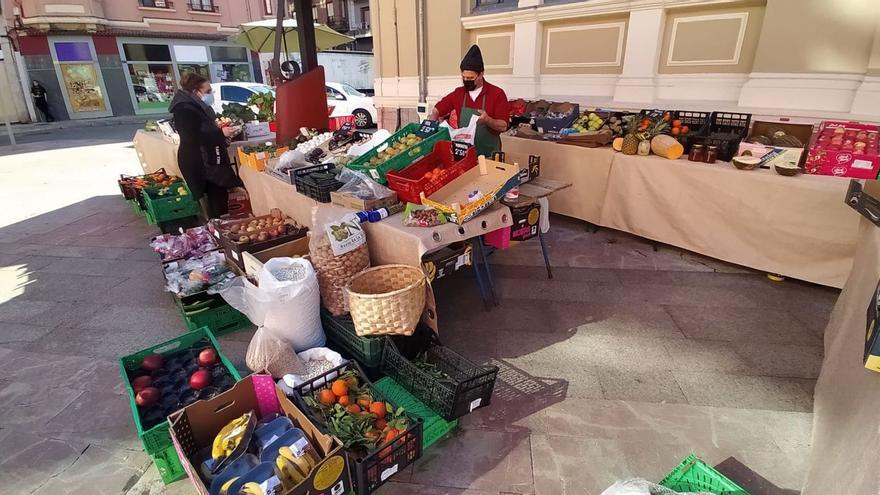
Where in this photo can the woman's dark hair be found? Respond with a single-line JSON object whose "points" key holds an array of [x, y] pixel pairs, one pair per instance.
{"points": [[192, 81]]}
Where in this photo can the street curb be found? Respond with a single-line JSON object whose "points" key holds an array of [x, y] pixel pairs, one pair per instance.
{"points": [[44, 127]]}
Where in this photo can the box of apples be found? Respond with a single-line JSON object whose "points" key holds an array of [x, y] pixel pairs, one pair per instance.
{"points": [[255, 234], [169, 376], [845, 149]]}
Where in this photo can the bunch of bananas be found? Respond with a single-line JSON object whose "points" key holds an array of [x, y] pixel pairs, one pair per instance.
{"points": [[229, 437], [224, 490], [293, 470], [250, 488]]}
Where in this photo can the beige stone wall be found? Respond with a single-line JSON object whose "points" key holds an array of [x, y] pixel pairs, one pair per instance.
{"points": [[823, 36], [445, 37], [496, 44], [874, 61], [407, 39], [385, 36], [711, 39], [586, 45]]}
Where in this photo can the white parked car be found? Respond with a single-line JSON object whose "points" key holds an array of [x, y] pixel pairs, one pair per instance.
{"points": [[346, 100], [236, 92]]}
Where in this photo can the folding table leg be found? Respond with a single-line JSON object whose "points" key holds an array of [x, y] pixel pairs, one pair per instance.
{"points": [[544, 252], [484, 259], [481, 285]]}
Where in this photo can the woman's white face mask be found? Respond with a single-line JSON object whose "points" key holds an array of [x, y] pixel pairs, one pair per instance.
{"points": [[208, 99]]}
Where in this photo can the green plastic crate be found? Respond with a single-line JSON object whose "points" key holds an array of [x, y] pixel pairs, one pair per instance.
{"points": [[157, 438], [402, 160], [162, 209], [168, 464], [340, 330], [221, 319], [434, 428], [136, 207], [694, 475]]}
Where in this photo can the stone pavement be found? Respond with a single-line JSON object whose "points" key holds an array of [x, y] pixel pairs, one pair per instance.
{"points": [[628, 360]]}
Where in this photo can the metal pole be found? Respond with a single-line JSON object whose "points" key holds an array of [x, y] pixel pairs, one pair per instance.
{"points": [[305, 28]]}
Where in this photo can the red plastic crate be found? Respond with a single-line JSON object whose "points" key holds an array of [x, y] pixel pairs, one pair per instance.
{"points": [[337, 122], [843, 158], [411, 181]]}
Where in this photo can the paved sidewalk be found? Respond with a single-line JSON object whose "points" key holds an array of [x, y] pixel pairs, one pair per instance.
{"points": [[628, 360], [42, 127]]}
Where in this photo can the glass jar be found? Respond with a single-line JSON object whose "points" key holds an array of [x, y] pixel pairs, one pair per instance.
{"points": [[697, 153], [644, 147], [711, 154]]}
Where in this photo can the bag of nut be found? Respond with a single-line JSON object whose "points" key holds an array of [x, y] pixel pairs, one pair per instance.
{"points": [[338, 250]]}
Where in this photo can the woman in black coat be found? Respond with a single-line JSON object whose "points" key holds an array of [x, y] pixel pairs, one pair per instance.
{"points": [[202, 155]]}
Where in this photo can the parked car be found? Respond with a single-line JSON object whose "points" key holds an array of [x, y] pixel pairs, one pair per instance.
{"points": [[346, 100], [236, 92]]}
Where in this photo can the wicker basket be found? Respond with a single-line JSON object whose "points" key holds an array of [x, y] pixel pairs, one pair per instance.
{"points": [[387, 300]]}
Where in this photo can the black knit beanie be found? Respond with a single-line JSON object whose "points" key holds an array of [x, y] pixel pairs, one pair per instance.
{"points": [[473, 60]]}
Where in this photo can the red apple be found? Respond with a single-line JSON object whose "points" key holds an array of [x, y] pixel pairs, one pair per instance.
{"points": [[208, 357], [200, 379], [153, 362], [141, 383], [147, 397]]}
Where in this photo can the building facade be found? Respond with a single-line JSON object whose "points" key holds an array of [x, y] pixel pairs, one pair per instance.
{"points": [[125, 57], [783, 57]]}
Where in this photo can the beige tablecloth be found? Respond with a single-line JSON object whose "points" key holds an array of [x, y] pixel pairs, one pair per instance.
{"points": [[794, 226], [844, 456], [156, 151], [389, 240]]}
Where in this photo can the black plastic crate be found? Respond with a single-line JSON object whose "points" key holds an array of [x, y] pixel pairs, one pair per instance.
{"points": [[697, 123], [302, 174], [369, 470], [469, 386], [319, 185], [725, 131], [174, 226]]}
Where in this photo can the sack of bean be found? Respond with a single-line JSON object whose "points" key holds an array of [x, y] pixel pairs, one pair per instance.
{"points": [[266, 353], [338, 250]]}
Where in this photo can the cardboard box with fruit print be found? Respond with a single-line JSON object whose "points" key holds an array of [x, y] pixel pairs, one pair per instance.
{"points": [[845, 149], [252, 439]]}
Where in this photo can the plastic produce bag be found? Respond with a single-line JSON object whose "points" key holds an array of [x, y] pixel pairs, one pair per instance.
{"points": [[291, 159], [422, 216], [638, 486], [285, 307], [338, 249], [378, 138], [273, 355], [360, 186], [463, 134], [317, 361]]}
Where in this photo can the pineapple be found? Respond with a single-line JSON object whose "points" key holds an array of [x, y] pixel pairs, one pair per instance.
{"points": [[630, 144]]}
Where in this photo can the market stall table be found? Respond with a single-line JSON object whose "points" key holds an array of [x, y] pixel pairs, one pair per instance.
{"points": [[389, 240], [793, 226], [156, 150]]}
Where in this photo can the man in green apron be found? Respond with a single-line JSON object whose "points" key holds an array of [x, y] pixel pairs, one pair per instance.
{"points": [[476, 97]]}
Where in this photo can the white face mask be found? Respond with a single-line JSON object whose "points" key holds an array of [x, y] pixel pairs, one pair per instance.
{"points": [[208, 99]]}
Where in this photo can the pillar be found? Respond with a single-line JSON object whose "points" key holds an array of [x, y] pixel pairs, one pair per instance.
{"points": [[644, 40]]}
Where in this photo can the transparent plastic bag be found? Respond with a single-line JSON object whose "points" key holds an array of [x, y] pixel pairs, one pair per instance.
{"points": [[291, 159], [360, 186], [288, 310], [638, 486], [376, 139], [422, 216], [338, 260], [267, 353]]}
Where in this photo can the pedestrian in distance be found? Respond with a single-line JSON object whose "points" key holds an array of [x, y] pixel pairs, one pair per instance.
{"points": [[38, 92]]}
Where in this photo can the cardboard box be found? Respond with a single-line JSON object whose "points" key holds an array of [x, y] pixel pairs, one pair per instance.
{"points": [[492, 179], [260, 159], [233, 250], [783, 155], [856, 154], [358, 204], [253, 261], [194, 427], [446, 260]]}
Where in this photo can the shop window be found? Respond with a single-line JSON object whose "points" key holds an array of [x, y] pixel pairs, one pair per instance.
{"points": [[83, 89], [146, 53], [153, 85], [232, 72], [267, 6], [73, 51], [190, 53], [200, 69], [235, 93], [229, 54]]}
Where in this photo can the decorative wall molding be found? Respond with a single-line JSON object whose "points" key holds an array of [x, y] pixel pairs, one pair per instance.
{"points": [[699, 87], [743, 18], [621, 30], [867, 98], [509, 36], [825, 92], [137, 25], [596, 86], [567, 11]]}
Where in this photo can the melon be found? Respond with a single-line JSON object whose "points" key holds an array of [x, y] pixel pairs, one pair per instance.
{"points": [[667, 147], [617, 144]]}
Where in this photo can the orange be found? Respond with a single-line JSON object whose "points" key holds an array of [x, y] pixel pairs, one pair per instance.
{"points": [[365, 401], [344, 401], [380, 424], [675, 131], [326, 397], [354, 409], [340, 388], [378, 408]]}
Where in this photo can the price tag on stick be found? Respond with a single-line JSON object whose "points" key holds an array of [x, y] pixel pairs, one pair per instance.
{"points": [[428, 127], [459, 150]]}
